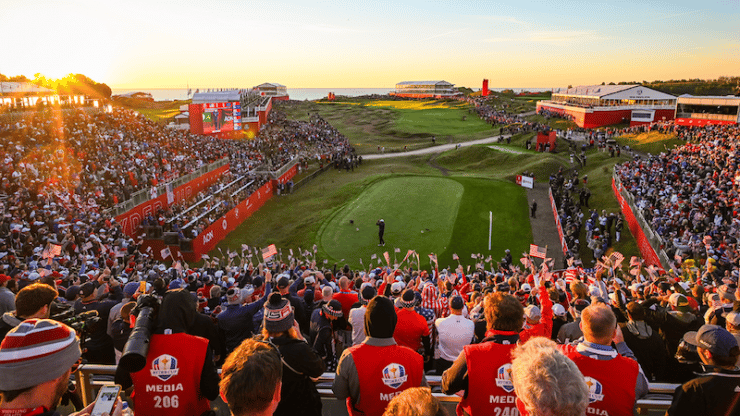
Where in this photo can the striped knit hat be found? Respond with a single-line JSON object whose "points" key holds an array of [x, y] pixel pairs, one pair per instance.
{"points": [[36, 351]]}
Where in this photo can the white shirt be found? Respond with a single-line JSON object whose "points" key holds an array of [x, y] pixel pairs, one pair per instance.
{"points": [[455, 332], [357, 320]]}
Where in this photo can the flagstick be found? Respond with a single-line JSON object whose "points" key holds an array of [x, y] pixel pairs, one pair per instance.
{"points": [[490, 228]]}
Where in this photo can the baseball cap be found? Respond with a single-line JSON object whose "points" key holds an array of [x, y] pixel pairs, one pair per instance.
{"points": [[558, 310], [4, 278], [679, 302], [396, 288], [714, 338], [532, 312], [87, 289], [283, 282], [733, 318]]}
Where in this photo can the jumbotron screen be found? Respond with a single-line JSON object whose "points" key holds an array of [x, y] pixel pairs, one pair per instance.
{"points": [[220, 117]]}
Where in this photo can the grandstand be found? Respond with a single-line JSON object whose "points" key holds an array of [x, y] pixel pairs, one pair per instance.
{"points": [[425, 89], [20, 95], [593, 106], [274, 90], [694, 110]]}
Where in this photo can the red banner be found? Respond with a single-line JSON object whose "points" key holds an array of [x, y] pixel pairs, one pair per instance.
{"points": [[131, 219], [207, 240], [701, 122], [646, 250]]}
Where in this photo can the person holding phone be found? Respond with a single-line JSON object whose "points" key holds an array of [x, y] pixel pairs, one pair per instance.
{"points": [[35, 370]]}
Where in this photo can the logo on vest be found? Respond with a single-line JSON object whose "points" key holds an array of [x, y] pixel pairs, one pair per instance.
{"points": [[503, 378], [394, 375], [164, 367], [595, 390]]}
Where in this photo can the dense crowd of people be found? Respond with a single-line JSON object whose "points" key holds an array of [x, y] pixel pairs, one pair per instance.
{"points": [[551, 342]]}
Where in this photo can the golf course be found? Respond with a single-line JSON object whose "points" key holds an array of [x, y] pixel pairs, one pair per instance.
{"points": [[437, 202]]}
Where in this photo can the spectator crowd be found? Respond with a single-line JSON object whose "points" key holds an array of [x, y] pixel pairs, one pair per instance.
{"points": [[552, 341]]}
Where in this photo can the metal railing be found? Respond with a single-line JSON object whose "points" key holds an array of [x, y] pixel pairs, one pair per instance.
{"points": [[92, 376], [144, 195]]}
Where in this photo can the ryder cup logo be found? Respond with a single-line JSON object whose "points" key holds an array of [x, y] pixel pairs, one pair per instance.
{"points": [[595, 390], [503, 378], [394, 375], [164, 367]]}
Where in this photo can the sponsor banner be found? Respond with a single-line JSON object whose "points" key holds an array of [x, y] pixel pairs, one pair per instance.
{"points": [[701, 122], [557, 223], [525, 181], [131, 219], [207, 240], [646, 250]]}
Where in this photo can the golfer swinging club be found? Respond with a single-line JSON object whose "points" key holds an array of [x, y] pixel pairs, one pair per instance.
{"points": [[381, 230]]}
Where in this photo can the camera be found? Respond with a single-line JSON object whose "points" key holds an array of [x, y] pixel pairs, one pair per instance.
{"points": [[134, 354]]}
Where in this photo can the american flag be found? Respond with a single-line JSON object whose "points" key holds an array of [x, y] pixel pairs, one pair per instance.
{"points": [[387, 258], [537, 251], [269, 251], [455, 257], [165, 253], [616, 258], [396, 250]]}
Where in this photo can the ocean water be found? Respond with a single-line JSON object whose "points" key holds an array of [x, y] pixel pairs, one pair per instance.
{"points": [[300, 94]]}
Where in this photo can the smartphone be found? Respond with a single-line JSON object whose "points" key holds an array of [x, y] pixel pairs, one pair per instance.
{"points": [[106, 399]]}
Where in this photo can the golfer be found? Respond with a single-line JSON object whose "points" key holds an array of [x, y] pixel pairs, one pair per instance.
{"points": [[381, 230]]}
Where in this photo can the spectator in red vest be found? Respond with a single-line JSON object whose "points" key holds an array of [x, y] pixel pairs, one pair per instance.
{"points": [[471, 371], [370, 374], [179, 377], [547, 382], [251, 379], [599, 362]]}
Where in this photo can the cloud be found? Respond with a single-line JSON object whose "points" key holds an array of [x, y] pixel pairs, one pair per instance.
{"points": [[504, 19]]}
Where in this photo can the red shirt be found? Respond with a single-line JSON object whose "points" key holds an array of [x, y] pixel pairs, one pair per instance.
{"points": [[410, 327], [347, 299]]}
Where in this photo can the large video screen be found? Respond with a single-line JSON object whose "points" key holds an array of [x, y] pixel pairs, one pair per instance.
{"points": [[221, 117]]}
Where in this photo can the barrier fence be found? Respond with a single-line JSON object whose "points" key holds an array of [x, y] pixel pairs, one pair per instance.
{"points": [[650, 244], [91, 377]]}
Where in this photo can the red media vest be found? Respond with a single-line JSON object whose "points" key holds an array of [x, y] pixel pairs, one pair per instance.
{"points": [[383, 372], [489, 380], [169, 384], [611, 383]]}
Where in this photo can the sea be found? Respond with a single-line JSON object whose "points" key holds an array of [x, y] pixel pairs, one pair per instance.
{"points": [[299, 94]]}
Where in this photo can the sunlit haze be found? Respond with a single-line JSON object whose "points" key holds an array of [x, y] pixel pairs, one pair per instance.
{"points": [[172, 44]]}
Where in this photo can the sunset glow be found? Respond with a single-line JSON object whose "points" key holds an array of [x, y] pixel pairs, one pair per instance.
{"points": [[171, 44]]}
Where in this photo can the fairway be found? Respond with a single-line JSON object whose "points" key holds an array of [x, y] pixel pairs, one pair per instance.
{"points": [[430, 215]]}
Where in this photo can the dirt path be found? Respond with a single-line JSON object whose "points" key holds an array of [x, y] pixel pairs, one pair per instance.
{"points": [[434, 149], [433, 163], [544, 231]]}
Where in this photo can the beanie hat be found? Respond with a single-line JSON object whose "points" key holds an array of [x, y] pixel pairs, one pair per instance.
{"points": [[278, 314], [37, 351], [233, 296], [368, 292], [333, 308], [408, 300], [380, 318]]}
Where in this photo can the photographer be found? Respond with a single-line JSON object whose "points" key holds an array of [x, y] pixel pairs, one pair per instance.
{"points": [[99, 348], [178, 377]]}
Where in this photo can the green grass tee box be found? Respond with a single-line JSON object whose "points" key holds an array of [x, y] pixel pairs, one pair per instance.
{"points": [[429, 215]]}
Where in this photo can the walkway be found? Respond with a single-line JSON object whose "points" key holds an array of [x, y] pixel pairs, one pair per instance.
{"points": [[434, 149], [544, 230]]}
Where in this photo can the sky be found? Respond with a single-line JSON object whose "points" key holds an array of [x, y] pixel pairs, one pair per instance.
{"points": [[367, 44]]}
